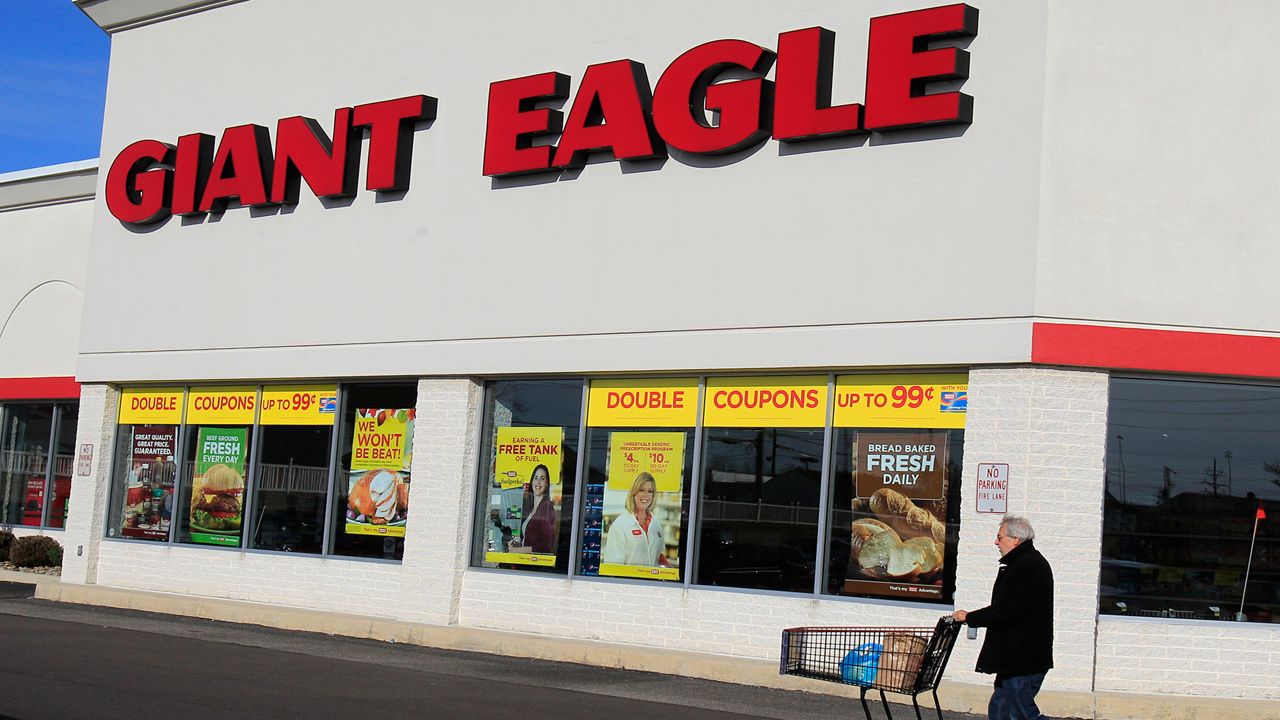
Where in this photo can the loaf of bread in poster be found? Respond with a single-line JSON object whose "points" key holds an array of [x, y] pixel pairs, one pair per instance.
{"points": [[905, 517], [878, 552]]}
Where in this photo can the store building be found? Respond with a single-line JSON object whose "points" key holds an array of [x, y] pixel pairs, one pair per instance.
{"points": [[658, 376]]}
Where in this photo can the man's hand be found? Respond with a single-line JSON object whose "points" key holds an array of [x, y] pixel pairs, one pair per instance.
{"points": [[960, 615]]}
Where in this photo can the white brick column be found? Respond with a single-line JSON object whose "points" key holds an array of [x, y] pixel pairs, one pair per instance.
{"points": [[440, 501], [87, 513], [1050, 426]]}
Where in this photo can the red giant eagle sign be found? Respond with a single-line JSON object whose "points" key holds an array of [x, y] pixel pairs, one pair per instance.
{"points": [[613, 111], [150, 180]]}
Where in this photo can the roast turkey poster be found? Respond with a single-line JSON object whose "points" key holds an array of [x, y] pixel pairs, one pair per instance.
{"points": [[378, 486]]}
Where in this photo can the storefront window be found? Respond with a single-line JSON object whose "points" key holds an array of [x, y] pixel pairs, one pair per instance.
{"points": [[898, 446], [528, 474], [640, 436], [25, 443], [371, 508], [292, 478], [1193, 469], [64, 463], [261, 461], [220, 424], [145, 469], [761, 482]]}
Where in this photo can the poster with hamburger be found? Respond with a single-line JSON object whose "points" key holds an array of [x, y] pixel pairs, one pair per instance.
{"points": [[378, 485], [217, 492]]}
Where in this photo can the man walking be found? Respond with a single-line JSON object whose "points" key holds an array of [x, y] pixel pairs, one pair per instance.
{"points": [[1018, 648]]}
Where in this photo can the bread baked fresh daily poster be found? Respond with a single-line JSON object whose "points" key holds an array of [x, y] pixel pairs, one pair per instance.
{"points": [[378, 485], [524, 525], [217, 492], [899, 532]]}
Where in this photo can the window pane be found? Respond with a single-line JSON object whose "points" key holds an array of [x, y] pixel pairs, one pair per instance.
{"points": [[759, 512], [527, 485], [290, 487], [143, 480], [637, 502], [24, 460], [64, 463], [895, 513], [1189, 465], [372, 494], [211, 506]]}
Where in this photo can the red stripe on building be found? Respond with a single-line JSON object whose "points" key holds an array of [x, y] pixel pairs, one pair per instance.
{"points": [[39, 388], [1158, 350]]}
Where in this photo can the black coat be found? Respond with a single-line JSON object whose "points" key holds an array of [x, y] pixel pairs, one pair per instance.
{"points": [[1019, 620]]}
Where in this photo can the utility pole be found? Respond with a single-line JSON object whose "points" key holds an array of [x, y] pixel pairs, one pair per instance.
{"points": [[1212, 476], [1123, 494], [1227, 455], [1167, 489]]}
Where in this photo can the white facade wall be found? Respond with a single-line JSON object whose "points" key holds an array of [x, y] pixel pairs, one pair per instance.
{"points": [[1050, 425], [1187, 657], [853, 254], [1158, 180], [83, 539], [43, 265]]}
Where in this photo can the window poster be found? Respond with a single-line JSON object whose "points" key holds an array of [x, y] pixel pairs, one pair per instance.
{"points": [[378, 485], [525, 502], [898, 540], [642, 505], [217, 491], [148, 495]]}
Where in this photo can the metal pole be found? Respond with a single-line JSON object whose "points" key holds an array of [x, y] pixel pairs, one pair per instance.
{"points": [[1248, 566]]}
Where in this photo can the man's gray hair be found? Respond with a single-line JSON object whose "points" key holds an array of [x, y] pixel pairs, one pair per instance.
{"points": [[1016, 526]]}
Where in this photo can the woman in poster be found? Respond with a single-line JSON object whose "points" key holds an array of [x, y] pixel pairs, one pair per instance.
{"points": [[540, 520], [634, 537]]}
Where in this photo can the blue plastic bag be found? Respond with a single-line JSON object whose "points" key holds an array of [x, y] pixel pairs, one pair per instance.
{"points": [[859, 666]]}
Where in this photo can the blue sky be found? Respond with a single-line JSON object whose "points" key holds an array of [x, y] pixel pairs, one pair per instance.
{"points": [[53, 82]]}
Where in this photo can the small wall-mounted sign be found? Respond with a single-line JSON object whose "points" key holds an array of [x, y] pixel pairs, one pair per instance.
{"points": [[993, 488], [84, 462]]}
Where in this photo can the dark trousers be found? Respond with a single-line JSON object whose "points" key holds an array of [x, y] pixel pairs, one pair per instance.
{"points": [[1015, 698]]}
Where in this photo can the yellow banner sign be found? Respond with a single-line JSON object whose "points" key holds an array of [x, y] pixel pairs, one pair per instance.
{"points": [[521, 450], [150, 406], [657, 402], [661, 454], [902, 400], [799, 401], [222, 405], [545, 560], [383, 530], [639, 571], [299, 404], [383, 439]]}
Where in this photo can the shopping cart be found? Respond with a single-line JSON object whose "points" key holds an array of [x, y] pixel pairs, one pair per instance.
{"points": [[907, 660]]}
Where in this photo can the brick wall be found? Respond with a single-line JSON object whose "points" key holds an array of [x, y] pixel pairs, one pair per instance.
{"points": [[87, 505], [338, 585], [435, 552], [727, 622], [1050, 426], [1187, 657]]}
